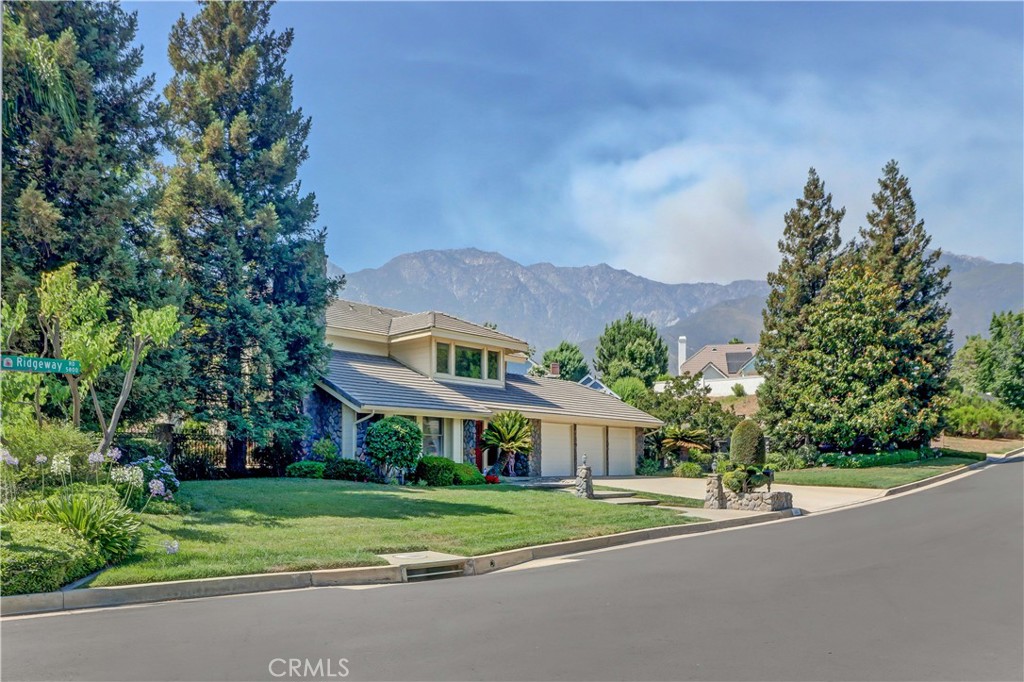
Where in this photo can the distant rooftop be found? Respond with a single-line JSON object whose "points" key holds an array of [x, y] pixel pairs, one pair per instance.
{"points": [[727, 358]]}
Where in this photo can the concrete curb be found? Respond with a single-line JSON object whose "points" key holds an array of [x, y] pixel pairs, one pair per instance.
{"points": [[938, 477], [95, 597]]}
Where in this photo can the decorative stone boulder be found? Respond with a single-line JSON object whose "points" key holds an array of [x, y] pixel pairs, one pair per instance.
{"points": [[584, 482]]}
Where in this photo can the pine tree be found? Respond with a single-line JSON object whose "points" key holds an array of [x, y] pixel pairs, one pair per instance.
{"points": [[81, 129], [809, 248], [631, 346], [241, 229], [572, 366], [895, 249]]}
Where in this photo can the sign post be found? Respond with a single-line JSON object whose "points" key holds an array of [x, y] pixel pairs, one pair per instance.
{"points": [[28, 363]]}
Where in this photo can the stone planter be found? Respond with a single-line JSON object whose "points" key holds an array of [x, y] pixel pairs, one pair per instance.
{"points": [[716, 497]]}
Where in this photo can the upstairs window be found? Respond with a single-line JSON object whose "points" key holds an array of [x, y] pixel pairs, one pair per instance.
{"points": [[443, 352], [469, 362], [493, 367]]}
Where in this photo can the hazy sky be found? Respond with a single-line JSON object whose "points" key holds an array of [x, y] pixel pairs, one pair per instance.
{"points": [[666, 138]]}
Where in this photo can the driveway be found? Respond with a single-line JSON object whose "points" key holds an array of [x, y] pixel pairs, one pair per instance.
{"points": [[807, 497]]}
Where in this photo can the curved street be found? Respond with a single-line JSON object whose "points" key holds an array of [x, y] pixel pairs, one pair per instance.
{"points": [[925, 586]]}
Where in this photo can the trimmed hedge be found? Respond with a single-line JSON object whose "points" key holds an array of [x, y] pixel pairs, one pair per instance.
{"points": [[338, 469], [436, 471], [467, 474], [38, 556], [747, 444], [881, 459], [304, 469]]}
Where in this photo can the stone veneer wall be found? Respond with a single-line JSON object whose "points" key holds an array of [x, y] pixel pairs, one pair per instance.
{"points": [[324, 414], [716, 496], [639, 449], [535, 468]]}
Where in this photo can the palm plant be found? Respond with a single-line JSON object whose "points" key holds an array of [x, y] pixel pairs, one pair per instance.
{"points": [[511, 434], [677, 438]]}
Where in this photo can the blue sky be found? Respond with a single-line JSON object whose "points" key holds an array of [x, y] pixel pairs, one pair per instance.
{"points": [[665, 138]]}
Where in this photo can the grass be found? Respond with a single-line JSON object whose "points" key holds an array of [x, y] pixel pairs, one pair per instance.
{"points": [[263, 525], [673, 500], [996, 446], [872, 477]]}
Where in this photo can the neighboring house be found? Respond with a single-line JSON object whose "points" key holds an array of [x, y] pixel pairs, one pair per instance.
{"points": [[450, 377], [721, 366]]}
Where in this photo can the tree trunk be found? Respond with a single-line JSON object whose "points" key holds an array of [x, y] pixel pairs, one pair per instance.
{"points": [[126, 388], [236, 443], [236, 455]]}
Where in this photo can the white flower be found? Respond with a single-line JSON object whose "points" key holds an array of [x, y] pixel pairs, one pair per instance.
{"points": [[96, 457], [41, 459], [61, 463], [128, 474]]}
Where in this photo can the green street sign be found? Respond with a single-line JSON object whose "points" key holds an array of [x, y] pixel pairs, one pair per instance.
{"points": [[27, 363]]}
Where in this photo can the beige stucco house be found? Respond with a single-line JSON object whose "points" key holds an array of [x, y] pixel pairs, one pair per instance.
{"points": [[449, 375], [720, 367]]}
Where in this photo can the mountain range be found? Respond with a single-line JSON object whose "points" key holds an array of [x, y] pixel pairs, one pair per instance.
{"points": [[544, 304]]}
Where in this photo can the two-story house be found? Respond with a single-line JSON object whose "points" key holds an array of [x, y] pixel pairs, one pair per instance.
{"points": [[450, 377]]}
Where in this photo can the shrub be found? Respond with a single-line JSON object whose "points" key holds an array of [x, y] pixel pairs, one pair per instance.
{"points": [[738, 390], [948, 452], [393, 443], [275, 457], [687, 470], [43, 557], [703, 459], [973, 416], [735, 479], [195, 466], [467, 474], [648, 467], [436, 471], [305, 469], [861, 461], [782, 461], [134, 448], [137, 494], [747, 446], [324, 449], [25, 442], [350, 470], [107, 523]]}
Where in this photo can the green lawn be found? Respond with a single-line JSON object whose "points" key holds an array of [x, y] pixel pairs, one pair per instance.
{"points": [[260, 525], [673, 500], [872, 477]]}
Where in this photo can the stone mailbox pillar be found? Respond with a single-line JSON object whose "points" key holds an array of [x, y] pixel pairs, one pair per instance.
{"points": [[584, 482], [714, 497]]}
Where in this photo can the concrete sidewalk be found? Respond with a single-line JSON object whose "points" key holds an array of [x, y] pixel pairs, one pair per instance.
{"points": [[807, 497]]}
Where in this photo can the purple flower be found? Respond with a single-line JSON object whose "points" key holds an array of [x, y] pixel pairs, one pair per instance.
{"points": [[7, 458], [96, 457], [41, 459], [171, 547], [156, 487], [114, 454]]}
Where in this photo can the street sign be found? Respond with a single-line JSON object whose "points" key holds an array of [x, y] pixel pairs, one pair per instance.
{"points": [[27, 363]]}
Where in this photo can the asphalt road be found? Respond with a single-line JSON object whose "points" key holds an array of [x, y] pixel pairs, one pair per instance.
{"points": [[928, 586]]}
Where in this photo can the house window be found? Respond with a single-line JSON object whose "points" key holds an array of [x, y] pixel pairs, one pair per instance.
{"points": [[469, 362], [443, 351], [433, 436], [492, 365]]}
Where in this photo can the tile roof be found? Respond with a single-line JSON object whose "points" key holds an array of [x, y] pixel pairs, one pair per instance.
{"points": [[379, 382], [376, 381], [727, 358], [362, 317], [556, 397]]}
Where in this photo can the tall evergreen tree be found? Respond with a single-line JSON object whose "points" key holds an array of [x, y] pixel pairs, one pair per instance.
{"points": [[632, 347], [809, 246], [572, 365], [895, 250], [81, 129], [1001, 359], [241, 229]]}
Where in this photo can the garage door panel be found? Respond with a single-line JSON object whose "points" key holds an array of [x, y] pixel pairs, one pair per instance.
{"points": [[621, 452], [556, 449], [590, 442]]}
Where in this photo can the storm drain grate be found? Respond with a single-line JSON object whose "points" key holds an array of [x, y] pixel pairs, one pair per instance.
{"points": [[436, 572]]}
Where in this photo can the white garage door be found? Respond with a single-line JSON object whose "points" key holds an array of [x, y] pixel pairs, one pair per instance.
{"points": [[590, 442], [555, 449], [621, 458]]}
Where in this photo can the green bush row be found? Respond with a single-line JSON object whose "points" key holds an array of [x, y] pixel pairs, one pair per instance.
{"points": [[39, 556], [973, 416], [441, 471], [335, 468], [305, 469], [842, 461]]}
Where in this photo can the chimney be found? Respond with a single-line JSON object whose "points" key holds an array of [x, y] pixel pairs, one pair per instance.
{"points": [[555, 370], [682, 352]]}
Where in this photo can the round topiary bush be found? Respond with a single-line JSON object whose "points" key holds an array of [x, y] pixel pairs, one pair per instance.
{"points": [[393, 444], [747, 445]]}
